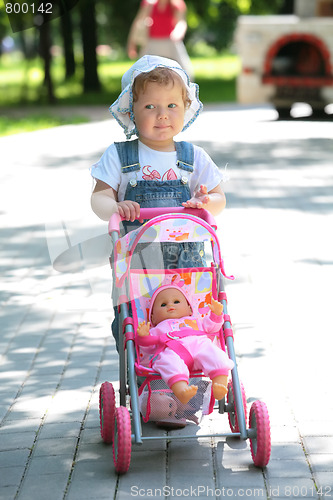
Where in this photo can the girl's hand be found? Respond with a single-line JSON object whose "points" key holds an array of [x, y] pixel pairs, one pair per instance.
{"points": [[199, 200], [216, 307], [143, 329], [130, 210]]}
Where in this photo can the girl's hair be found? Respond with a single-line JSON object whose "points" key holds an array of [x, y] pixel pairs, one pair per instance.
{"points": [[162, 76]]}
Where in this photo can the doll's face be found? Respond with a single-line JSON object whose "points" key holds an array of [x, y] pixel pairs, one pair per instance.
{"points": [[162, 406], [170, 303]]}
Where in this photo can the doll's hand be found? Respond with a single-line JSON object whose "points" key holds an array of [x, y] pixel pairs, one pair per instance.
{"points": [[216, 307], [143, 329], [199, 200]]}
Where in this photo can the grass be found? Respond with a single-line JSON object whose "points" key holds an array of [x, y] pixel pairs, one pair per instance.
{"points": [[34, 121], [21, 87]]}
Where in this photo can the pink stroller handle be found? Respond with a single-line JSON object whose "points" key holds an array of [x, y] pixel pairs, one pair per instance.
{"points": [[150, 213]]}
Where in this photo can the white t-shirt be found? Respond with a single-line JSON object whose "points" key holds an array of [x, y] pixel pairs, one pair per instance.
{"points": [[156, 165]]}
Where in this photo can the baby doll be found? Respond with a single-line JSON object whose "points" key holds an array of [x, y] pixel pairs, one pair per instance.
{"points": [[168, 412], [179, 342]]}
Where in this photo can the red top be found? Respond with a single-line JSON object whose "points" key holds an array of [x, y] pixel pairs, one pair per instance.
{"points": [[163, 19]]}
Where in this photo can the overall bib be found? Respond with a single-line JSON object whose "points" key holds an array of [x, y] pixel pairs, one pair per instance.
{"points": [[150, 194]]}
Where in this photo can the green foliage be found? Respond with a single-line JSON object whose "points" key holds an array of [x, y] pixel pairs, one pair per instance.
{"points": [[10, 125], [214, 21], [211, 26], [22, 81]]}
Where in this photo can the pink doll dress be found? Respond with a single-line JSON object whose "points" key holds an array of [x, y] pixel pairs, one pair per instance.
{"points": [[203, 354]]}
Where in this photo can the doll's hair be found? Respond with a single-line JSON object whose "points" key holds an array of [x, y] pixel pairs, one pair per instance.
{"points": [[162, 76]]}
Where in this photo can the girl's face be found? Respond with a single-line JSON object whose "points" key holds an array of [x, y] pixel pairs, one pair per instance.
{"points": [[159, 115], [170, 304]]}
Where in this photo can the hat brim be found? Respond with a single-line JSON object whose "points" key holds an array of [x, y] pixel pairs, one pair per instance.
{"points": [[122, 108]]}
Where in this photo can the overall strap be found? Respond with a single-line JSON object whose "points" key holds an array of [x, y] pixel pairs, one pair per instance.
{"points": [[185, 155], [128, 152]]}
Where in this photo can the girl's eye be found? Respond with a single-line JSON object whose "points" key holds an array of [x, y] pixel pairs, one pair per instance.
{"points": [[172, 105], [163, 305], [150, 106], [177, 301]]}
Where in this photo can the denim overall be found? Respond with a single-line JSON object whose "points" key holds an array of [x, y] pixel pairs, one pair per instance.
{"points": [[150, 194]]}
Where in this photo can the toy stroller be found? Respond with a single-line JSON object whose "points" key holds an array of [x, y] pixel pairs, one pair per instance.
{"points": [[138, 271]]}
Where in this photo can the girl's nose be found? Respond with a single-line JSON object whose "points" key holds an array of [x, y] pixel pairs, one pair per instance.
{"points": [[162, 113]]}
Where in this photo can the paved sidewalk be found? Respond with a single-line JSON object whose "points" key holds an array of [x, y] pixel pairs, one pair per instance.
{"points": [[55, 342]]}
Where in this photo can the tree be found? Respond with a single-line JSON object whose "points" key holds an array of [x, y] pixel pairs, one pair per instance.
{"points": [[89, 44], [45, 51], [67, 36]]}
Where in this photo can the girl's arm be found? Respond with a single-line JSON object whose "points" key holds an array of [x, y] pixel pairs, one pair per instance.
{"points": [[214, 201], [139, 21], [179, 10], [179, 31], [104, 202]]}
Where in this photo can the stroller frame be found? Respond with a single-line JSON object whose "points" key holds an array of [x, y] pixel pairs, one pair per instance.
{"points": [[117, 426]]}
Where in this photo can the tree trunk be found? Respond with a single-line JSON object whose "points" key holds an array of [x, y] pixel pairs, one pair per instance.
{"points": [[67, 36], [45, 51], [89, 43]]}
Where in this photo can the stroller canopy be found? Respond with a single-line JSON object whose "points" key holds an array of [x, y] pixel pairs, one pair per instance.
{"points": [[172, 228]]}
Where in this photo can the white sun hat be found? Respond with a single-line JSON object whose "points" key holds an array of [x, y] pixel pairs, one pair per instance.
{"points": [[122, 108]]}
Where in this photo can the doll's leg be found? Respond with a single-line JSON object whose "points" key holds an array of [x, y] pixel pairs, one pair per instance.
{"points": [[220, 386], [183, 391], [215, 363], [175, 373]]}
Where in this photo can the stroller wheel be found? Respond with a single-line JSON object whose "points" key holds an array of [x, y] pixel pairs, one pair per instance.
{"points": [[122, 442], [107, 408], [232, 415], [261, 443]]}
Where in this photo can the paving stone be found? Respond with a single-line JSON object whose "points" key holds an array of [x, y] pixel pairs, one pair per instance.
{"points": [[16, 440], [14, 458], [52, 486], [285, 468], [321, 462], [7, 492], [318, 444], [10, 476]]}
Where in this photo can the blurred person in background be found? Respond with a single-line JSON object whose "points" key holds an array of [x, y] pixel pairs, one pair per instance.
{"points": [[159, 29]]}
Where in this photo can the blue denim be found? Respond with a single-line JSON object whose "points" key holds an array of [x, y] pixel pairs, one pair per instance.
{"points": [[150, 194]]}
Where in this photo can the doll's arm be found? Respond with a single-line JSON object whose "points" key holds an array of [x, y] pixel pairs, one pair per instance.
{"points": [[213, 322], [143, 329], [144, 337], [216, 307]]}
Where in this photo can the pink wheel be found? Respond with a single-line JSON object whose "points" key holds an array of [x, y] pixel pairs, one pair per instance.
{"points": [[232, 415], [122, 441], [261, 443], [107, 408]]}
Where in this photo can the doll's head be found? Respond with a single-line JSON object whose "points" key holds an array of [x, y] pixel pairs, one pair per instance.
{"points": [[162, 406], [169, 302]]}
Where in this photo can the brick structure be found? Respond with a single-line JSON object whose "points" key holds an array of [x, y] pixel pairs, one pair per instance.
{"points": [[287, 58]]}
